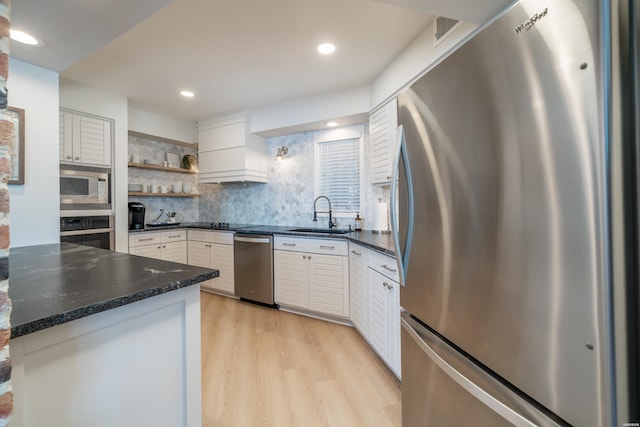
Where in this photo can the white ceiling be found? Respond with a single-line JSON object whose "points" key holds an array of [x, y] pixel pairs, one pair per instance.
{"points": [[232, 53]]}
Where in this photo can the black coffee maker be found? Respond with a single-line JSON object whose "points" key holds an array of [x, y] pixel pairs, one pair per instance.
{"points": [[136, 216]]}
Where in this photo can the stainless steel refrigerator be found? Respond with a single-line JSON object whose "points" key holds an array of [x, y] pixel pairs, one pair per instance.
{"points": [[515, 217]]}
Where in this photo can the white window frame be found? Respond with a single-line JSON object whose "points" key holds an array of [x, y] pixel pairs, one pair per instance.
{"points": [[333, 135]]}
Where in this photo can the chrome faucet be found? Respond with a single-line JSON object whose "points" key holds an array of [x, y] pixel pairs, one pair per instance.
{"points": [[315, 212]]}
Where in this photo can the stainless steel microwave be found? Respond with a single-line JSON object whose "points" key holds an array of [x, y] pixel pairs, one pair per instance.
{"points": [[85, 187]]}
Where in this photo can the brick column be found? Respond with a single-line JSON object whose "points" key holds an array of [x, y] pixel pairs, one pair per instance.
{"points": [[6, 136]]}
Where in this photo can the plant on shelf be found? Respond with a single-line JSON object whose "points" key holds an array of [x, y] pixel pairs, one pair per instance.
{"points": [[189, 162]]}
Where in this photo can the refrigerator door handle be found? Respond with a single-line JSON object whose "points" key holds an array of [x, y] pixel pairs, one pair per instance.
{"points": [[402, 257], [479, 393]]}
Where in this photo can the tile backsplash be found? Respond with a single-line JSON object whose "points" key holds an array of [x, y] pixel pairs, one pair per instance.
{"points": [[287, 199]]}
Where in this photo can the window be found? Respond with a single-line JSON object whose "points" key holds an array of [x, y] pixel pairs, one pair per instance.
{"points": [[339, 171]]}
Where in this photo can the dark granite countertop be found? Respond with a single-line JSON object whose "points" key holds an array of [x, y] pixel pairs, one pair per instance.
{"points": [[379, 242], [57, 283]]}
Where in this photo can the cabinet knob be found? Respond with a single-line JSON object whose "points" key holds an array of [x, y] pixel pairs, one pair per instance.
{"points": [[386, 285], [69, 157], [388, 178], [304, 257], [309, 256], [77, 158]]}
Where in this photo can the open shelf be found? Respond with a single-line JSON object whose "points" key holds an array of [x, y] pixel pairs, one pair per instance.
{"points": [[141, 194], [159, 168]]}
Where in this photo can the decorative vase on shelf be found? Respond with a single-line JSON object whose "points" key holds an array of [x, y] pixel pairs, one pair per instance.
{"points": [[189, 162]]}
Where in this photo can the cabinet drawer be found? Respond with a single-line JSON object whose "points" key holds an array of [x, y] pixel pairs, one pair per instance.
{"points": [[174, 236], [287, 243], [200, 235], [328, 246], [222, 237], [139, 239], [384, 265]]}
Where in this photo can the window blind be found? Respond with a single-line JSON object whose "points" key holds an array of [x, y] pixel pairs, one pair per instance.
{"points": [[339, 173]]}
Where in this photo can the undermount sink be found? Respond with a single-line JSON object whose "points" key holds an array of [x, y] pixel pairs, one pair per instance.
{"points": [[320, 230]]}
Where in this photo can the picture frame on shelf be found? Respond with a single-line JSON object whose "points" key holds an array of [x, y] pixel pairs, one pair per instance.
{"points": [[173, 160], [17, 145]]}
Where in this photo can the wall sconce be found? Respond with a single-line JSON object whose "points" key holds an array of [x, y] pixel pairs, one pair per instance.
{"points": [[282, 152]]}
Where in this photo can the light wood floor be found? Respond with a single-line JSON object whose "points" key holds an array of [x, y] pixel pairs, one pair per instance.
{"points": [[265, 367]]}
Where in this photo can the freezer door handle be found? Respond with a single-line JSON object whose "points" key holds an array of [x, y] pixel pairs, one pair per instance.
{"points": [[516, 418]]}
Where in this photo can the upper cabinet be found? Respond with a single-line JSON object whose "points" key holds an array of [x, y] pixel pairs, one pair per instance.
{"points": [[85, 139], [382, 131], [229, 152]]}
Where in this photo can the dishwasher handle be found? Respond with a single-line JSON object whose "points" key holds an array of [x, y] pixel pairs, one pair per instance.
{"points": [[257, 239]]}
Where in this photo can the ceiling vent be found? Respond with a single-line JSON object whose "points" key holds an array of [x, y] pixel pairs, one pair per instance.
{"points": [[443, 27]]}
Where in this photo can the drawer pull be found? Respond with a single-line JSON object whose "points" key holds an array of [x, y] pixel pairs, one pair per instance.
{"points": [[327, 247], [175, 237], [145, 240], [356, 253], [288, 244], [393, 270]]}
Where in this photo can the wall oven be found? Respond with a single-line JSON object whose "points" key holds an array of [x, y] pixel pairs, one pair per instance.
{"points": [[96, 231], [85, 187]]}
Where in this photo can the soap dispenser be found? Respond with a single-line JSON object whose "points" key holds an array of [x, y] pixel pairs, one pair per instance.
{"points": [[358, 221]]}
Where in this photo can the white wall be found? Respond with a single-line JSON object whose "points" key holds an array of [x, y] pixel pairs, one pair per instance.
{"points": [[35, 205], [152, 124], [413, 61], [112, 106]]}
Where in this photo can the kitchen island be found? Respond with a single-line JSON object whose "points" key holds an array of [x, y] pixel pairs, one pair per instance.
{"points": [[101, 338]]}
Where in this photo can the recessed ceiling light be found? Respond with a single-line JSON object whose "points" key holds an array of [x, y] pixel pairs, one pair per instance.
{"points": [[26, 38], [187, 93], [332, 124], [326, 48]]}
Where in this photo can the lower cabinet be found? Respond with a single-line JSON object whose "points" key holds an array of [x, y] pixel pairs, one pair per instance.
{"points": [[213, 249], [359, 288], [312, 275], [164, 245], [375, 302]]}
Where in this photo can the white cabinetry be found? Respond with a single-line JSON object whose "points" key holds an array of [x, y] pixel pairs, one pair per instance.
{"points": [[213, 249], [165, 245], [359, 288], [85, 139], [385, 309], [375, 302], [382, 132], [312, 275], [229, 152]]}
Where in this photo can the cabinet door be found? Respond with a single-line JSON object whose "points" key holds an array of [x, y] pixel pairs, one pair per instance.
{"points": [[222, 260], [382, 127], [394, 328], [151, 251], [359, 289], [328, 279], [66, 136], [291, 278], [199, 254], [378, 299], [92, 142], [175, 252]]}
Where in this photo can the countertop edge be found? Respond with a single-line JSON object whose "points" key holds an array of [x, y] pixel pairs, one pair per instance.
{"points": [[80, 312], [280, 230]]}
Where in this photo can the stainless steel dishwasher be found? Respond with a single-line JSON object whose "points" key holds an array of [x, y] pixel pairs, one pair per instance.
{"points": [[253, 267]]}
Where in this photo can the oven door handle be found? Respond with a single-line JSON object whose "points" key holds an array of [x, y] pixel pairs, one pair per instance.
{"points": [[89, 231]]}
